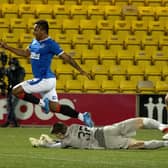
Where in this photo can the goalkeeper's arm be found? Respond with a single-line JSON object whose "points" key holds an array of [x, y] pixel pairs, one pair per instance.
{"points": [[52, 145]]}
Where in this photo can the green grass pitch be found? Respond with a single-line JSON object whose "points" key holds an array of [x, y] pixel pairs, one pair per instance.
{"points": [[16, 152]]}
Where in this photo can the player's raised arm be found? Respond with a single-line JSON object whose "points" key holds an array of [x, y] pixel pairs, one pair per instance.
{"points": [[72, 62], [16, 51]]}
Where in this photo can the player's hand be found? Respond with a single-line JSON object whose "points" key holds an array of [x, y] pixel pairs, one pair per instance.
{"points": [[88, 75]]}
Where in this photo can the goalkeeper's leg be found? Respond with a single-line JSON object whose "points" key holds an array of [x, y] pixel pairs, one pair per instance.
{"points": [[133, 124], [150, 144]]}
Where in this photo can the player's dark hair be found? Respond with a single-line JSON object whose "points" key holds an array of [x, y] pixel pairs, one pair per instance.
{"points": [[58, 127], [43, 24]]}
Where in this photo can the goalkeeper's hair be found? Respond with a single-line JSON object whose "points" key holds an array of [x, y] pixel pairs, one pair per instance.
{"points": [[58, 127]]}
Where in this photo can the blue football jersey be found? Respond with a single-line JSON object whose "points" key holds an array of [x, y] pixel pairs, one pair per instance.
{"points": [[42, 53]]}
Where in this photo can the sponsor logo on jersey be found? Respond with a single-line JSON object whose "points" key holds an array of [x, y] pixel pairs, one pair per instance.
{"points": [[35, 56]]}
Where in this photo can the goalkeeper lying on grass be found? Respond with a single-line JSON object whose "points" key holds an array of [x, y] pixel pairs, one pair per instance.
{"points": [[116, 136]]}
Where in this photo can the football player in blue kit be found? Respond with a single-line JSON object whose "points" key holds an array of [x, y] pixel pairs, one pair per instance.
{"points": [[41, 51]]}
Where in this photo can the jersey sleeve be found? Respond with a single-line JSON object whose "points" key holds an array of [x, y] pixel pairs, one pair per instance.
{"points": [[56, 49]]}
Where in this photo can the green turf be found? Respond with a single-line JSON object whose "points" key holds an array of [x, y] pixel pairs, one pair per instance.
{"points": [[16, 152]]}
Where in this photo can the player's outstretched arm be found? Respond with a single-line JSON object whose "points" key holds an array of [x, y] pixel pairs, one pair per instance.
{"points": [[16, 51], [72, 62]]}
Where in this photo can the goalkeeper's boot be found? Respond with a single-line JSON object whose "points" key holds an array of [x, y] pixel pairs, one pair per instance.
{"points": [[165, 131], [46, 108], [87, 119]]}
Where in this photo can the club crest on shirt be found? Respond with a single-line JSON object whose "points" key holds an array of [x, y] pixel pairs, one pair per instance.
{"points": [[42, 45]]}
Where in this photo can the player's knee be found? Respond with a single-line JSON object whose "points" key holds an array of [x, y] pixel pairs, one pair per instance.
{"points": [[18, 92], [55, 107], [138, 122], [136, 145]]}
